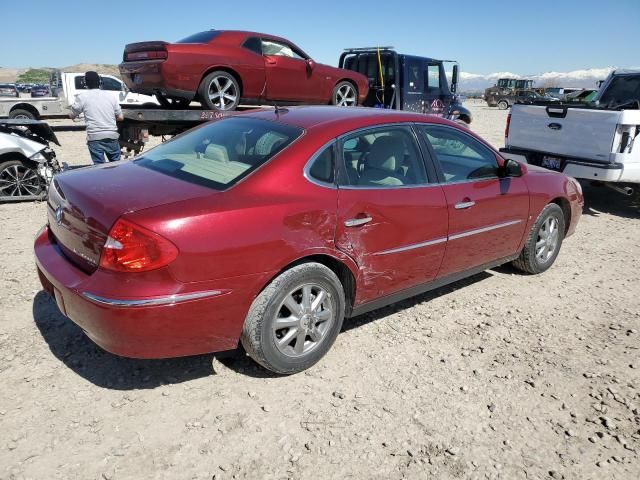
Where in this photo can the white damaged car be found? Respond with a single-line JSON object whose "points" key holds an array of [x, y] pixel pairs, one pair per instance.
{"points": [[27, 164]]}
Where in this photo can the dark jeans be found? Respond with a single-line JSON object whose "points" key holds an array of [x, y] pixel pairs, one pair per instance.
{"points": [[99, 148]]}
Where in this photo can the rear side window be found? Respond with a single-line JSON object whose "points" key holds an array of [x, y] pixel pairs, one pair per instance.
{"points": [[254, 44], [219, 154], [323, 166], [200, 37], [461, 157]]}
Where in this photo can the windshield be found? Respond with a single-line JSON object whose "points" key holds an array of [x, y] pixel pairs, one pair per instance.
{"points": [[219, 154]]}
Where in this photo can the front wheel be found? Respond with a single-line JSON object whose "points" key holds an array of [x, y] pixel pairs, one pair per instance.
{"points": [[294, 321], [344, 95], [503, 104], [18, 180], [544, 241], [219, 91]]}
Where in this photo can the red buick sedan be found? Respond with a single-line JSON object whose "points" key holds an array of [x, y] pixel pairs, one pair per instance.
{"points": [[269, 228], [222, 68]]}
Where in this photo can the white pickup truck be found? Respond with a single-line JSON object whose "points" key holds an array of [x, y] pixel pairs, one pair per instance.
{"points": [[65, 86], [599, 141]]}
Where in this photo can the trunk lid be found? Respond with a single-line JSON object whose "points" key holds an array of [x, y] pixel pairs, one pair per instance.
{"points": [[566, 131], [84, 204]]}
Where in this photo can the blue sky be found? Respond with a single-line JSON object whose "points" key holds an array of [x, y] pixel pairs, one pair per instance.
{"points": [[484, 36]]}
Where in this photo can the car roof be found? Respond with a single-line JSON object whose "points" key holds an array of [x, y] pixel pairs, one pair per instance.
{"points": [[340, 118]]}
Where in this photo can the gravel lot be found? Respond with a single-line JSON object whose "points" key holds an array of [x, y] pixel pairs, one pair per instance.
{"points": [[499, 376]]}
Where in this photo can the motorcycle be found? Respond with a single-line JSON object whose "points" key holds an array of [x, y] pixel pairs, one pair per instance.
{"points": [[27, 163]]}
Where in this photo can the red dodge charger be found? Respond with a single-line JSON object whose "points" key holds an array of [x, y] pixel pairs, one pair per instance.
{"points": [[271, 227], [222, 68]]}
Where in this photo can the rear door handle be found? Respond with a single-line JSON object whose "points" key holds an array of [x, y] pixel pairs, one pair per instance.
{"points": [[463, 205], [356, 222]]}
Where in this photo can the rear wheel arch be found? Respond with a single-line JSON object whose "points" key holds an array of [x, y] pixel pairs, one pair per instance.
{"points": [[27, 108], [345, 274], [564, 204], [229, 70]]}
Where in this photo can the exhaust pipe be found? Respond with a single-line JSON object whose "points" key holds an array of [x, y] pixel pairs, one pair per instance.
{"points": [[628, 191]]}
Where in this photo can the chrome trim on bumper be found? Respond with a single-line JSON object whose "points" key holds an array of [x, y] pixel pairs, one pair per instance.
{"points": [[146, 302], [483, 229]]}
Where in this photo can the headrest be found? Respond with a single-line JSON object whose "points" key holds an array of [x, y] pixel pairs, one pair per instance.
{"points": [[386, 153]]}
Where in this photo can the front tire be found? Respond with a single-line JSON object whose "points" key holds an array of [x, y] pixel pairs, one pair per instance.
{"points": [[295, 320], [344, 95], [18, 180], [503, 104], [544, 241], [219, 91]]}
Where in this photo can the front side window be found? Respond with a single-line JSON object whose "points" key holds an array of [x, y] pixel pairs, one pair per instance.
{"points": [[219, 154], [111, 84], [271, 47], [461, 157], [382, 157]]}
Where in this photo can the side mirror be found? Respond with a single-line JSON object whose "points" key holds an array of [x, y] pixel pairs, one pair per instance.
{"points": [[510, 168], [311, 64], [454, 79]]}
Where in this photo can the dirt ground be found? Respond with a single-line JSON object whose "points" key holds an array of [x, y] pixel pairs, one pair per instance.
{"points": [[502, 375]]}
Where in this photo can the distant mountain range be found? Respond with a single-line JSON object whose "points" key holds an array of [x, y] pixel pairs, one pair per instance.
{"points": [[473, 82]]}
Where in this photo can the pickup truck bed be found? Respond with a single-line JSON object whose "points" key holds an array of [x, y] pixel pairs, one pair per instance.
{"points": [[579, 140]]}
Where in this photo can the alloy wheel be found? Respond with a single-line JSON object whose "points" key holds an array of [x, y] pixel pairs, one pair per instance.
{"points": [[346, 96], [547, 240], [223, 92], [18, 180], [303, 320]]}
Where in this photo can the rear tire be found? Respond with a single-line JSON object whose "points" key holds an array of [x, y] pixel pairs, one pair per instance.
{"points": [[503, 104], [219, 91], [345, 94], [544, 241], [295, 320], [21, 114]]}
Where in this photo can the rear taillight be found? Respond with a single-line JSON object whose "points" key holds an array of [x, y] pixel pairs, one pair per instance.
{"points": [[506, 129], [150, 55], [132, 248]]}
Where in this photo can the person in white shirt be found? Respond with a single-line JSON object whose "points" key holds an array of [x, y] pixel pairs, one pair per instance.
{"points": [[101, 112]]}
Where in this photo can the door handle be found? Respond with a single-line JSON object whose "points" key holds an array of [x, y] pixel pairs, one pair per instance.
{"points": [[356, 222], [270, 61], [463, 205]]}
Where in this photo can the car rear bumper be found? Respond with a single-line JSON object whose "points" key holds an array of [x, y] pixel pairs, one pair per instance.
{"points": [[170, 325], [150, 77]]}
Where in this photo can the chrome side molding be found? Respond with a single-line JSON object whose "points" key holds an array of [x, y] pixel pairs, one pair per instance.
{"points": [[147, 302]]}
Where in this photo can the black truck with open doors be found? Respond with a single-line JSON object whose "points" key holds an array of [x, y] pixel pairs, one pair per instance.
{"points": [[407, 82]]}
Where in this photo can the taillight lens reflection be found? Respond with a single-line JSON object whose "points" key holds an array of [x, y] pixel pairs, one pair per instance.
{"points": [[132, 248]]}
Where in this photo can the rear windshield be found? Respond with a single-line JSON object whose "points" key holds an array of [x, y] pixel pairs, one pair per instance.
{"points": [[200, 37], [219, 154], [622, 89]]}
